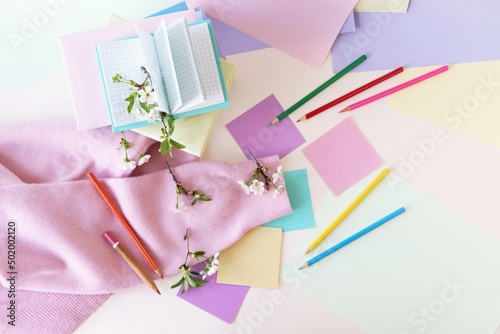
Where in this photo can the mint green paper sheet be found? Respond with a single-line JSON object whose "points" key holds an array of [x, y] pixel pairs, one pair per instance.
{"points": [[302, 217], [426, 271]]}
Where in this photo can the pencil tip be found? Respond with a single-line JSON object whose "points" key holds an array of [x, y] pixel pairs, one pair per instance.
{"points": [[344, 110], [158, 292], [300, 268]]}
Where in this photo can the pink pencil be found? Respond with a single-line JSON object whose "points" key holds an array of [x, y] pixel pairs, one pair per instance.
{"points": [[396, 88]]}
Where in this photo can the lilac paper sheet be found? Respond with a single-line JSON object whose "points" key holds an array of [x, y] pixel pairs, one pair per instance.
{"points": [[431, 33], [221, 300], [252, 131]]}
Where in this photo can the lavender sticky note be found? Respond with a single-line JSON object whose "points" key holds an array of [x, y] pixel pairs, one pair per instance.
{"points": [[221, 300], [342, 156], [252, 131]]}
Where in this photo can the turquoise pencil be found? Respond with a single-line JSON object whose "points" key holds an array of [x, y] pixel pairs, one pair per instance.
{"points": [[353, 237]]}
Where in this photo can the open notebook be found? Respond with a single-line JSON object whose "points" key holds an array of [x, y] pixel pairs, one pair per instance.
{"points": [[182, 61]]}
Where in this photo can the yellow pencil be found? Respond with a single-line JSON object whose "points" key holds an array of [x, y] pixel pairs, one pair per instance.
{"points": [[348, 210]]}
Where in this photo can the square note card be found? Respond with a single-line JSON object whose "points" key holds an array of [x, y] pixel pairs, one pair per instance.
{"points": [[254, 260], [251, 131], [182, 65], [297, 188], [342, 156], [221, 300]]}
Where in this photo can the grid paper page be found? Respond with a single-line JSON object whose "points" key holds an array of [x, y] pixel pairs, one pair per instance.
{"points": [[203, 50], [126, 58], [185, 67], [149, 50], [167, 68]]}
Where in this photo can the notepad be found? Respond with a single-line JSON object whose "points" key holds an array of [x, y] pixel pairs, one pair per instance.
{"points": [[184, 68]]}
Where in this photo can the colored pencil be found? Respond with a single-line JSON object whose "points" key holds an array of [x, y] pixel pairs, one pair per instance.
{"points": [[318, 90], [353, 237], [352, 93], [130, 261], [125, 224], [348, 210], [396, 88]]}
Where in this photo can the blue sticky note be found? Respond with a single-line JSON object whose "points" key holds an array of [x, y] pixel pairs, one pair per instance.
{"points": [[302, 216]]}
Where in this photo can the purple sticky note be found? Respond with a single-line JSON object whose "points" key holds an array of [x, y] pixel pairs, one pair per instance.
{"points": [[342, 156], [221, 300], [252, 131]]}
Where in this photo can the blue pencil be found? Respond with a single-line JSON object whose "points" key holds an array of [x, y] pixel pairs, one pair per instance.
{"points": [[353, 237]]}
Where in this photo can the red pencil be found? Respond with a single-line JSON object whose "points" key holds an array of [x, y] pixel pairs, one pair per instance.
{"points": [[125, 224], [350, 94]]}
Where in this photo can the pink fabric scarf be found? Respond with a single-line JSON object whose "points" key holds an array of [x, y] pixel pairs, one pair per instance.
{"points": [[65, 269]]}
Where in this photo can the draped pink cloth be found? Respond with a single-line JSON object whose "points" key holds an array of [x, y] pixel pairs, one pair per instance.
{"points": [[64, 267]]}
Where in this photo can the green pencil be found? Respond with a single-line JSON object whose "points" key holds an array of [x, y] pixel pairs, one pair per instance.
{"points": [[318, 90]]}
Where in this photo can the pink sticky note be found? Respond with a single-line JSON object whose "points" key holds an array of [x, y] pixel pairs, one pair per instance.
{"points": [[252, 131], [304, 29], [342, 156]]}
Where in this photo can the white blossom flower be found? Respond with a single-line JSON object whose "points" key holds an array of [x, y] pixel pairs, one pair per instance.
{"points": [[137, 113], [147, 95], [153, 115], [278, 174], [278, 191], [244, 186], [257, 187], [211, 267], [179, 207], [127, 165], [143, 159]]}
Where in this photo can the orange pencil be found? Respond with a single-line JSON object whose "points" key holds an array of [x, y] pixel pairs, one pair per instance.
{"points": [[124, 254], [125, 224]]}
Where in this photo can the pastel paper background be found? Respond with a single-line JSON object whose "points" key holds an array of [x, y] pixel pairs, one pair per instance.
{"points": [[431, 33], [293, 25], [302, 216], [427, 261], [254, 260], [464, 100], [221, 300], [252, 130], [342, 156]]}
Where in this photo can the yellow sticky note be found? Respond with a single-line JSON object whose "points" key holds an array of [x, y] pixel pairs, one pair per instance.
{"points": [[254, 260], [464, 100]]}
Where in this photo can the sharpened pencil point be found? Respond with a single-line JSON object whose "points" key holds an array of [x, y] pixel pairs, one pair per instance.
{"points": [[274, 121], [158, 292], [305, 265], [158, 272], [344, 110]]}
